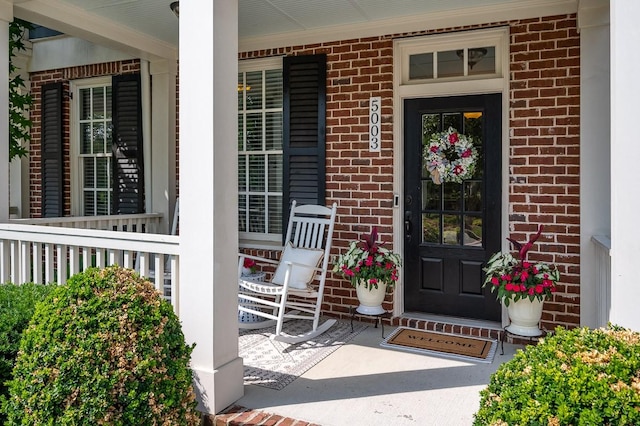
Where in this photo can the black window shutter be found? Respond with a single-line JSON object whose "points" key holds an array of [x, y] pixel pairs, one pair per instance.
{"points": [[51, 146], [128, 166], [304, 105]]}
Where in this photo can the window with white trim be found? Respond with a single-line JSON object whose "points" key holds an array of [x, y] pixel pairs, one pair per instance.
{"points": [[94, 130], [260, 149]]}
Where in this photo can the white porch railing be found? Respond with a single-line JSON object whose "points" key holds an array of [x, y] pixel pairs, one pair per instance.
{"points": [[603, 278], [146, 222], [43, 254]]}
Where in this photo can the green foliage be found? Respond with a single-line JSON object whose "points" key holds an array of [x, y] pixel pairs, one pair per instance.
{"points": [[17, 304], [19, 102], [576, 377], [103, 349]]}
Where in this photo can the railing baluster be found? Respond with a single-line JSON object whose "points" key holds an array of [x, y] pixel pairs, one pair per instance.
{"points": [[4, 258], [49, 276], [37, 263], [74, 260], [61, 267], [15, 262], [25, 262]]}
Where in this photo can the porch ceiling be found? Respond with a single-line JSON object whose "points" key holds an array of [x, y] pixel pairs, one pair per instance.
{"points": [[285, 19]]}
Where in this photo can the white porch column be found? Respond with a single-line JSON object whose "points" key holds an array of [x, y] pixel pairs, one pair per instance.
{"points": [[162, 156], [6, 16], [595, 144], [625, 149], [208, 304]]}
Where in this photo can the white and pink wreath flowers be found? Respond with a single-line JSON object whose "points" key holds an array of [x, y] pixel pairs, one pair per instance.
{"points": [[450, 156]]}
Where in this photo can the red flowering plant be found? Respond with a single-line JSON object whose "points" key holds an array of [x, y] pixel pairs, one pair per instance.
{"points": [[368, 263], [514, 278], [249, 265]]}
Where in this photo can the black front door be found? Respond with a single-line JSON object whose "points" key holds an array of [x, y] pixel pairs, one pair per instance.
{"points": [[451, 229]]}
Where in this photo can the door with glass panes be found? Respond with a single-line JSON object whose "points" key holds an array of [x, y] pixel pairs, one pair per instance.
{"points": [[451, 228]]}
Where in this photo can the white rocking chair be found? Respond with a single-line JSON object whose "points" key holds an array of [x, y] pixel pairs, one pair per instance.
{"points": [[297, 286]]}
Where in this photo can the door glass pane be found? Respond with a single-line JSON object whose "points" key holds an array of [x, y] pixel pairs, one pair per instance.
{"points": [[452, 196], [452, 120], [421, 66], [473, 196], [253, 90], [431, 228], [473, 129], [430, 195], [450, 64], [473, 231], [450, 229], [430, 125], [481, 60]]}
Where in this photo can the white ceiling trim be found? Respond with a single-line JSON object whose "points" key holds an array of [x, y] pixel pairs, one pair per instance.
{"points": [[462, 17], [71, 20]]}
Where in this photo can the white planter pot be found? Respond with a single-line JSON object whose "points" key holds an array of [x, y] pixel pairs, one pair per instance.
{"points": [[525, 317], [371, 300]]}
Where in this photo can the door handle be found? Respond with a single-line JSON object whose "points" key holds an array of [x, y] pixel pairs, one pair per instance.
{"points": [[408, 225]]}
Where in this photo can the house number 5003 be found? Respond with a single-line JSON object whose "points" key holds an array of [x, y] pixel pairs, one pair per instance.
{"points": [[374, 123]]}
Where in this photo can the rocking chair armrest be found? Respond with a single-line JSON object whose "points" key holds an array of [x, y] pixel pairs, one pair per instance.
{"points": [[242, 256]]}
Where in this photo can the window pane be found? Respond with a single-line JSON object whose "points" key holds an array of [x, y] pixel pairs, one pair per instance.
{"points": [[275, 214], [240, 132], [240, 92], [242, 173], [420, 66], [256, 173], [473, 231], [85, 138], [273, 131], [98, 139], [98, 103], [450, 63], [431, 228], [273, 89], [275, 173], [254, 132], [103, 203], [85, 104], [89, 172], [108, 94], [89, 203], [450, 229], [102, 173], [256, 214], [253, 89], [242, 213], [430, 125], [482, 60]]}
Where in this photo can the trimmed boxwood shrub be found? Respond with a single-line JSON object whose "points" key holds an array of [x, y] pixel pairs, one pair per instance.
{"points": [[103, 349], [17, 304], [575, 377]]}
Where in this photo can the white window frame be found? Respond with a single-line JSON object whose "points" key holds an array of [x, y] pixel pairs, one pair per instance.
{"points": [[76, 168], [255, 239]]}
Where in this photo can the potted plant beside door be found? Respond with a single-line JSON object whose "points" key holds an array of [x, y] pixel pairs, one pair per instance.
{"points": [[372, 269], [522, 286]]}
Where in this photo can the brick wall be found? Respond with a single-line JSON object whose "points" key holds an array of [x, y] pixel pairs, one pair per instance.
{"points": [[52, 76], [544, 147]]}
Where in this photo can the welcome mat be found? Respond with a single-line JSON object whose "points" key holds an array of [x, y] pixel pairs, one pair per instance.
{"points": [[274, 364], [477, 349]]}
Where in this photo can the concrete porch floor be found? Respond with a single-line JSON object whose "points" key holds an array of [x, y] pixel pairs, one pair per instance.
{"points": [[362, 383]]}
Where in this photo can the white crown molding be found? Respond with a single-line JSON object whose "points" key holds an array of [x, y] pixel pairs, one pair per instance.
{"points": [[71, 20], [6, 11], [523, 9], [593, 13]]}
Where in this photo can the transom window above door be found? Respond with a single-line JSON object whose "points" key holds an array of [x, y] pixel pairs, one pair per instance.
{"points": [[452, 57]]}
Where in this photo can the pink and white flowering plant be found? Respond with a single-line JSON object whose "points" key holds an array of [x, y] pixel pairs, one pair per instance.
{"points": [[514, 278], [368, 263]]}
